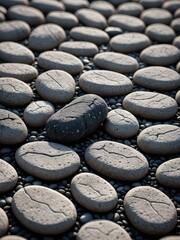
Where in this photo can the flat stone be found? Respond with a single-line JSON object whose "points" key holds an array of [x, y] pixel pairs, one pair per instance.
{"points": [[78, 119], [171, 5], [168, 173], [129, 42], [160, 139], [47, 160], [13, 237], [104, 7], [116, 160], [61, 61], [56, 86], [14, 30], [37, 113], [12, 128], [10, 3], [160, 54], [15, 52], [56, 213], [28, 14], [64, 19], [47, 6], [150, 105], [105, 83], [79, 48], [156, 15], [93, 192], [160, 32], [14, 92], [8, 177], [4, 222], [130, 8], [91, 18], [23, 72], [176, 42], [46, 37], [175, 24], [73, 6], [116, 62], [102, 229], [157, 78], [177, 97], [142, 202], [89, 34], [121, 124], [151, 3], [127, 23]]}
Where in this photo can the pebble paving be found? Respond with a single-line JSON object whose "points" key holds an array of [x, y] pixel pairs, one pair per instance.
{"points": [[89, 119]]}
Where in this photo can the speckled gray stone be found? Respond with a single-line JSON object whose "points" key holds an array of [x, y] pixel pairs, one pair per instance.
{"points": [[160, 139], [142, 202], [78, 119], [157, 78], [168, 173], [56, 86], [12, 128], [51, 212], [15, 52], [121, 124], [47, 6], [46, 37], [116, 160], [20, 71], [116, 62], [61, 61], [104, 7], [73, 6], [160, 54], [47, 160], [105, 83], [14, 30], [93, 192], [130, 8], [8, 176], [177, 97], [89, 34], [37, 113], [4, 222]]}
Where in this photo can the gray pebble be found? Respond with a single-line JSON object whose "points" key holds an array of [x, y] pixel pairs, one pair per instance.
{"points": [[13, 237], [171, 5], [73, 6], [113, 31], [4, 222], [104, 7], [175, 24], [86, 217], [176, 42], [47, 6], [10, 3], [151, 3], [130, 8], [177, 97]]}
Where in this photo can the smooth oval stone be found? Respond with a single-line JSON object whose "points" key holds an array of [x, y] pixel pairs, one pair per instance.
{"points": [[178, 67], [160, 54], [175, 24], [28, 14], [91, 18], [61, 61], [10, 3], [156, 15], [93, 192], [14, 30], [2, 17], [73, 6], [113, 31], [12, 128], [177, 97], [14, 92], [129, 42], [15, 52], [13, 237], [105, 8], [160, 32], [79, 48], [121, 124], [157, 78], [102, 229], [89, 34], [116, 160], [160, 139], [4, 222], [37, 113], [130, 8], [56, 213], [176, 42], [168, 173], [78, 119], [150, 210], [177, 13], [64, 19], [116, 62], [8, 177], [105, 83], [20, 71], [46, 37], [171, 5], [151, 3], [47, 160], [150, 105], [56, 86], [47, 6], [127, 23]]}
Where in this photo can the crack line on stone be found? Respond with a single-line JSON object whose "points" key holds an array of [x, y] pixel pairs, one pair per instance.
{"points": [[107, 234], [46, 154], [93, 189]]}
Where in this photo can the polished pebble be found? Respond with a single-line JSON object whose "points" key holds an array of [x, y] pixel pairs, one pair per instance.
{"points": [[175, 24], [176, 42], [46, 6], [151, 3], [130, 8], [73, 6], [11, 3], [177, 97], [171, 5], [103, 7], [4, 222]]}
